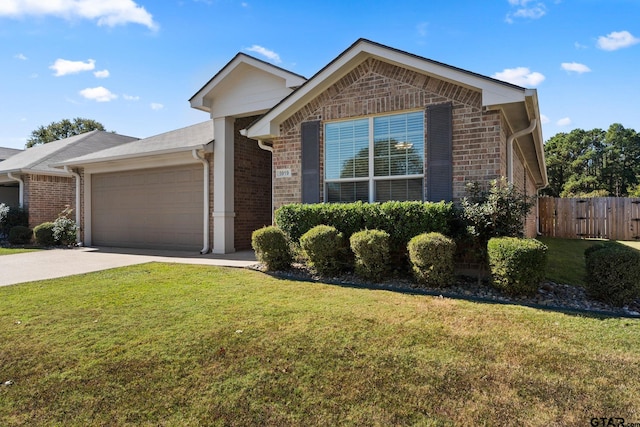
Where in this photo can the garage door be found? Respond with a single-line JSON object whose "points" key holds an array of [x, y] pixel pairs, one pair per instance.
{"points": [[152, 208]]}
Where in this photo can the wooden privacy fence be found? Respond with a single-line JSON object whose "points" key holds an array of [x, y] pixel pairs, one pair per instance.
{"points": [[615, 218]]}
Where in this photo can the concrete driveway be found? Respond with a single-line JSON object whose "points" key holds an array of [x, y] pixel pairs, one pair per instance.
{"points": [[53, 263]]}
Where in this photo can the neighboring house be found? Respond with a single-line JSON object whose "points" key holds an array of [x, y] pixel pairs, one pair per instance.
{"points": [[375, 124], [29, 180], [8, 195]]}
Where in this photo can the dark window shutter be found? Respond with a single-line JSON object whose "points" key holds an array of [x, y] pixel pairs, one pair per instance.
{"points": [[439, 153], [311, 162]]}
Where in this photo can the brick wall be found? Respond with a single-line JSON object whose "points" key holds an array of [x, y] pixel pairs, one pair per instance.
{"points": [[252, 175], [376, 87], [46, 196]]}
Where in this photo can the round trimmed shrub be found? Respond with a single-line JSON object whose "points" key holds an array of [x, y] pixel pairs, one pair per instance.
{"points": [[613, 274], [20, 235], [324, 247], [371, 249], [272, 248], [432, 259], [517, 265], [43, 234]]}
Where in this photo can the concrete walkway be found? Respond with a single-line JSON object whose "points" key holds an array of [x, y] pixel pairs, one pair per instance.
{"points": [[53, 263]]}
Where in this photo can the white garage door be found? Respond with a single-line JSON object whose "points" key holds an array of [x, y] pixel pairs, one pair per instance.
{"points": [[151, 208]]}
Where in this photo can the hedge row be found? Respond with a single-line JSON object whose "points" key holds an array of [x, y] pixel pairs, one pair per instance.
{"points": [[401, 220]]}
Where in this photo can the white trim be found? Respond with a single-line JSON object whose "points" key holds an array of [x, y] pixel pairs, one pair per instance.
{"points": [[174, 159], [87, 209], [493, 92]]}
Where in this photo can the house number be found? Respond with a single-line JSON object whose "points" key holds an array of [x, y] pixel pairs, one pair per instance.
{"points": [[283, 173]]}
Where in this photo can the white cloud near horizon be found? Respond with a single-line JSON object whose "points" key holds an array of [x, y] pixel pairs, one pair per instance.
{"points": [[130, 97], [575, 67], [103, 74], [20, 56], [63, 67], [269, 54], [156, 106], [520, 76], [617, 40], [108, 13], [98, 94], [566, 121]]}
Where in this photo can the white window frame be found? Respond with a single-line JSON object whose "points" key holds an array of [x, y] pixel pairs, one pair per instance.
{"points": [[372, 178]]}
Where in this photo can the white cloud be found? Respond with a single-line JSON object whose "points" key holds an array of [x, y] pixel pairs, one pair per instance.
{"points": [[244, 4], [98, 94], [105, 12], [617, 40], [62, 67], [20, 56], [131, 98], [520, 76], [580, 46], [269, 54], [525, 11], [564, 122], [155, 106], [544, 119], [575, 67], [101, 74], [421, 28]]}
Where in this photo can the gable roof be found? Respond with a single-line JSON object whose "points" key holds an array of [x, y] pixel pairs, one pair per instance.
{"points": [[39, 159], [494, 92], [185, 139], [245, 86], [6, 152], [519, 105]]}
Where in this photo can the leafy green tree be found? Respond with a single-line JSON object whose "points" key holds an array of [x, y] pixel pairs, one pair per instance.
{"points": [[62, 129], [593, 163]]}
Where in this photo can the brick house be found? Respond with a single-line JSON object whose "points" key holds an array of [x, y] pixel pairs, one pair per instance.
{"points": [[27, 178], [375, 124], [381, 124]]}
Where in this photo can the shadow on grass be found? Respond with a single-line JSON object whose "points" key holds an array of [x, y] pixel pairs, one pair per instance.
{"points": [[595, 314]]}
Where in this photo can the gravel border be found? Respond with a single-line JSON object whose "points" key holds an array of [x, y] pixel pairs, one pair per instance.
{"points": [[550, 295]]}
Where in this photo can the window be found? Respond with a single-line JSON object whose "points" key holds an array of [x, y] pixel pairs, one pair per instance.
{"points": [[375, 159]]}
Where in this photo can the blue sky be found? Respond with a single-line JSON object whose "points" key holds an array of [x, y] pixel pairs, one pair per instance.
{"points": [[133, 65]]}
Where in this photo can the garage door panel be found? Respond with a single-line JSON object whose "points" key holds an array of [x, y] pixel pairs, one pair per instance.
{"points": [[155, 208]]}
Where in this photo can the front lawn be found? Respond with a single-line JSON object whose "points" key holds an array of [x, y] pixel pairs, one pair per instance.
{"points": [[11, 251], [166, 344], [565, 258]]}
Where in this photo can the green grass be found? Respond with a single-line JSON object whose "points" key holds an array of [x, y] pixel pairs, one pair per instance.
{"points": [[565, 258], [11, 251], [165, 344]]}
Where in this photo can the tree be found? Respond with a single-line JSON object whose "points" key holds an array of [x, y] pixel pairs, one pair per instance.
{"points": [[593, 163], [61, 130]]}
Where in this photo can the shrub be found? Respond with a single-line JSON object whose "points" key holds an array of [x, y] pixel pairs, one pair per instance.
{"points": [[11, 217], [402, 220], [613, 273], [371, 250], [324, 247], [499, 211], [517, 265], [65, 230], [432, 258], [272, 248], [44, 234], [20, 235]]}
